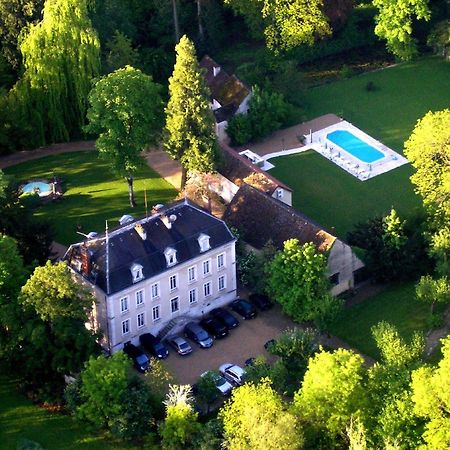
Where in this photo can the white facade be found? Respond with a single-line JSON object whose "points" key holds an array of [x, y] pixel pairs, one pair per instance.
{"points": [[188, 290]]}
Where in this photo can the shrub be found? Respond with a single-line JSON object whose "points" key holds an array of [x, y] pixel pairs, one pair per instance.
{"points": [[371, 86], [239, 129], [346, 71]]}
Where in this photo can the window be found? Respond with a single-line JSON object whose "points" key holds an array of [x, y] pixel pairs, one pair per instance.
{"points": [[192, 274], [222, 284], [136, 272], [155, 313], [140, 320], [124, 304], [155, 290], [174, 304], [173, 282], [207, 289], [206, 267], [171, 256], [221, 261], [279, 193], [193, 296], [334, 279], [126, 326], [139, 298], [203, 242]]}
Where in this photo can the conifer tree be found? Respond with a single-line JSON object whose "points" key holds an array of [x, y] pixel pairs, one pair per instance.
{"points": [[189, 131]]}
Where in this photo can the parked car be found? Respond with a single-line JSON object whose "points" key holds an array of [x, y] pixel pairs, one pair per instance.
{"points": [[233, 373], [225, 317], [214, 327], [196, 333], [153, 345], [261, 301], [140, 359], [180, 345], [222, 385], [244, 308]]}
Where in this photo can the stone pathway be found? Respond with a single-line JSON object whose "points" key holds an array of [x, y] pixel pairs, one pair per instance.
{"points": [[287, 138]]}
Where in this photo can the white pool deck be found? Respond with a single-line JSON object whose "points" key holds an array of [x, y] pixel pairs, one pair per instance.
{"points": [[318, 142]]}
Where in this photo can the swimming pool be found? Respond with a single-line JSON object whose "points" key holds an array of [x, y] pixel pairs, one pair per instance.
{"points": [[355, 146], [38, 187]]}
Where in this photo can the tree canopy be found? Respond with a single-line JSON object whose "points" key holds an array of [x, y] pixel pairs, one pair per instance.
{"points": [[126, 111], [332, 390], [428, 150], [431, 397], [256, 418], [296, 279], [61, 55], [189, 131], [394, 23]]}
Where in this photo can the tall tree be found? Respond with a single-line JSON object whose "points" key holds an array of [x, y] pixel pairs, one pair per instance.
{"points": [[390, 416], [428, 150], [126, 111], [53, 293], [189, 131], [296, 279], [431, 396], [61, 55], [180, 428], [332, 392], [394, 23], [12, 277], [285, 24], [15, 16], [256, 418]]}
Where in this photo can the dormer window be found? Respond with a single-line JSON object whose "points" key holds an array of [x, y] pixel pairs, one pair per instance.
{"points": [[203, 242], [136, 272], [171, 256]]}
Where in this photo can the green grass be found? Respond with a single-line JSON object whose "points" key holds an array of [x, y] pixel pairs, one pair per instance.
{"points": [[91, 193], [336, 199], [20, 419], [397, 305], [405, 94]]}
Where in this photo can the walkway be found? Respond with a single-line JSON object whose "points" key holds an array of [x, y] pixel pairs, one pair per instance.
{"points": [[288, 138]]}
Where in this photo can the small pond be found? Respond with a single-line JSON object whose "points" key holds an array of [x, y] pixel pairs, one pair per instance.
{"points": [[38, 187]]}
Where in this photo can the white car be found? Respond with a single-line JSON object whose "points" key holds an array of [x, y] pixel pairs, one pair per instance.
{"points": [[222, 385], [233, 373]]}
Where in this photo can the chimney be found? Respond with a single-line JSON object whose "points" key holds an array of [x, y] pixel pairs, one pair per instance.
{"points": [[140, 231], [216, 71], [85, 261]]}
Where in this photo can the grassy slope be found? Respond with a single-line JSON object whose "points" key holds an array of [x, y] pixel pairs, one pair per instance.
{"points": [[405, 93], [91, 193], [397, 305], [20, 419]]}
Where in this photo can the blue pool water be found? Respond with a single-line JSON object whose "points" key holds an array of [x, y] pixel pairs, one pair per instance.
{"points": [[41, 188], [355, 146]]}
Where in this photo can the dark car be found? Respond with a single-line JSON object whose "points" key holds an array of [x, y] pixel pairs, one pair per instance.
{"points": [[140, 359], [261, 301], [244, 308], [153, 345], [198, 334], [214, 327], [225, 317], [180, 345]]}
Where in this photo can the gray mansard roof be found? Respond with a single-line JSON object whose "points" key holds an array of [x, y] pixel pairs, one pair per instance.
{"points": [[127, 247]]}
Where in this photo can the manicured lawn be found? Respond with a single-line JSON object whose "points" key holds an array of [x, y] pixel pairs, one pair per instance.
{"points": [[20, 419], [397, 305], [404, 94], [336, 199], [91, 193]]}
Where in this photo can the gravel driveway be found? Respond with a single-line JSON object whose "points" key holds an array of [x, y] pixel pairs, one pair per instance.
{"points": [[246, 340]]}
